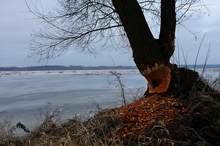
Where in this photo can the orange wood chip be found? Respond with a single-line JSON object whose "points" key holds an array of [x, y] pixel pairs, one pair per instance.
{"points": [[141, 115]]}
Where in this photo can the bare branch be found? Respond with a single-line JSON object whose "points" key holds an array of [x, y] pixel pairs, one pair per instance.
{"points": [[86, 24]]}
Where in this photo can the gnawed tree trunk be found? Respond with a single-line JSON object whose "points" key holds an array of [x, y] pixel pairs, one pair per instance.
{"points": [[151, 56]]}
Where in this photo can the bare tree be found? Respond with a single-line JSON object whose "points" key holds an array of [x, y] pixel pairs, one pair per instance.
{"points": [[82, 24]]}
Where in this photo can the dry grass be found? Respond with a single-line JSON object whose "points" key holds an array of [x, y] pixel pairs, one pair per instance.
{"points": [[99, 130]]}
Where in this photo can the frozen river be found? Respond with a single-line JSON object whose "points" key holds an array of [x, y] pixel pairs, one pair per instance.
{"points": [[23, 93]]}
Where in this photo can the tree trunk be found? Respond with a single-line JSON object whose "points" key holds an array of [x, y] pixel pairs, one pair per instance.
{"points": [[151, 56], [167, 28]]}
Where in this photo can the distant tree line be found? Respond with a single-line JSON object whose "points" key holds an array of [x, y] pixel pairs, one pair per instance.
{"points": [[57, 67], [79, 67]]}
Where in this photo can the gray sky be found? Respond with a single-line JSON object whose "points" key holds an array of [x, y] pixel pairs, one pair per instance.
{"points": [[16, 25]]}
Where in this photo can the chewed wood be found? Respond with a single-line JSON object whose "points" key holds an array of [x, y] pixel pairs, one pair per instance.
{"points": [[143, 114], [161, 75]]}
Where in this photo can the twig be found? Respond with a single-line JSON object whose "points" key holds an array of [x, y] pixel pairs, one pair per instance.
{"points": [[206, 59], [22, 126], [199, 51], [120, 84]]}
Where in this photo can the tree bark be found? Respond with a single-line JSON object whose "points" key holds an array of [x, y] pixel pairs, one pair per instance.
{"points": [[150, 56], [144, 46], [167, 28]]}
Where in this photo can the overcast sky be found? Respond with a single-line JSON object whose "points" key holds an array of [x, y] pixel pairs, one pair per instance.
{"points": [[16, 25]]}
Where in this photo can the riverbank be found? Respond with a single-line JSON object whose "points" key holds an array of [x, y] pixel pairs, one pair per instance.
{"points": [[155, 120]]}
